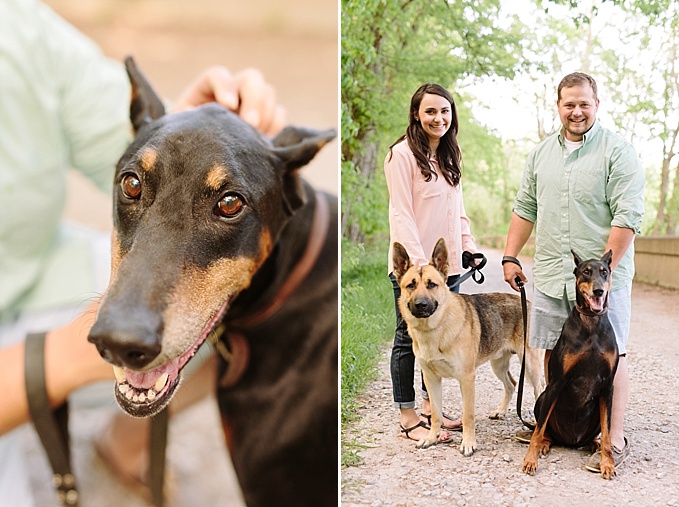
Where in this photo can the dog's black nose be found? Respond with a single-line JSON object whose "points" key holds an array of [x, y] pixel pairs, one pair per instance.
{"points": [[126, 342], [421, 305], [598, 292]]}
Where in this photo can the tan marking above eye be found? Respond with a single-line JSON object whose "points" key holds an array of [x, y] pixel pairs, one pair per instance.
{"points": [[148, 158], [215, 177]]}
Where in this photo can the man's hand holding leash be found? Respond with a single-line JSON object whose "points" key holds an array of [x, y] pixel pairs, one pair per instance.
{"points": [[513, 272]]}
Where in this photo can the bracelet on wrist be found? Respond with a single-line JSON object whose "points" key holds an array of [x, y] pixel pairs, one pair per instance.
{"points": [[513, 260]]}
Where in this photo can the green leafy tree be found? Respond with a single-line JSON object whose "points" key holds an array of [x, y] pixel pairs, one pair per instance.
{"points": [[389, 48]]}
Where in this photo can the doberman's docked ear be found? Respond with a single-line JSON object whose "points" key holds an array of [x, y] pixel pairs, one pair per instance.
{"points": [[608, 258], [295, 147], [145, 105], [439, 258], [400, 260]]}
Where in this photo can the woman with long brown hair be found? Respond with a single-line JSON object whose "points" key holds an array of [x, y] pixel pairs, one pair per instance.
{"points": [[423, 171]]}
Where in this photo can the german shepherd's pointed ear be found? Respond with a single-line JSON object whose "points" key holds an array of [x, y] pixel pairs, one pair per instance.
{"points": [[295, 147], [608, 258], [400, 260], [439, 258], [145, 105]]}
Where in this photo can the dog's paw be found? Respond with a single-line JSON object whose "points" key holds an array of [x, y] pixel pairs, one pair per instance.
{"points": [[530, 466], [607, 469], [496, 416], [423, 443], [467, 448], [544, 448]]}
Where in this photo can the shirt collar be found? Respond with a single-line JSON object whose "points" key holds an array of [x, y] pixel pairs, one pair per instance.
{"points": [[587, 136]]}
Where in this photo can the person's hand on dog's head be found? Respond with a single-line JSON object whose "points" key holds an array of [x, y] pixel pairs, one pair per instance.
{"points": [[246, 93]]}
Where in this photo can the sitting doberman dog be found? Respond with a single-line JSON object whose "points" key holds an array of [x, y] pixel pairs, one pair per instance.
{"points": [[216, 234], [576, 404]]}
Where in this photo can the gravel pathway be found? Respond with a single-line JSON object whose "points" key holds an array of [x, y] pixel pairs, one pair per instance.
{"points": [[395, 473]]}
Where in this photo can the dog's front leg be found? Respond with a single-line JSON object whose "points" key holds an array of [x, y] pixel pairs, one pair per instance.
{"points": [[433, 383], [468, 391], [539, 443], [607, 463]]}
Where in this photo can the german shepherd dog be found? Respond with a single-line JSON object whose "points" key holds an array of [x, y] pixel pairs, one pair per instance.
{"points": [[215, 233], [453, 334], [576, 404]]}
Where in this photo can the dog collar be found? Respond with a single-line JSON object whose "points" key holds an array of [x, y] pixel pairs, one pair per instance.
{"points": [[590, 313], [234, 349]]}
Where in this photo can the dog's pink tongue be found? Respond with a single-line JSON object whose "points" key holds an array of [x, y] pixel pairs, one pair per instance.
{"points": [[147, 379], [597, 304]]}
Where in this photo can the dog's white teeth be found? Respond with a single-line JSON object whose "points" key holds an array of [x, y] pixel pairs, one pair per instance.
{"points": [[119, 373], [123, 388], [151, 395], [142, 398], [160, 383], [129, 394]]}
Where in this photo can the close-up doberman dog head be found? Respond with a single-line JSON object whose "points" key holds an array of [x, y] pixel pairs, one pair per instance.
{"points": [[200, 200], [593, 282], [422, 287]]}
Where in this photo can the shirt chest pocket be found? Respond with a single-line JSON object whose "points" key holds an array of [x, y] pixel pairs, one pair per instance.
{"points": [[588, 184], [431, 190]]}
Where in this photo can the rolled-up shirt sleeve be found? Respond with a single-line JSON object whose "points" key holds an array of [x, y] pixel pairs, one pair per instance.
{"points": [[525, 204], [625, 189]]}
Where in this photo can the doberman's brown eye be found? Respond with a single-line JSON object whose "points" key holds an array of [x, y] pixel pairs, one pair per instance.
{"points": [[230, 206], [131, 186]]}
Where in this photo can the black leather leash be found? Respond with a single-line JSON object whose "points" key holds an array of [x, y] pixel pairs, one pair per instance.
{"points": [[51, 425], [524, 311], [519, 396], [52, 428], [157, 446], [474, 268]]}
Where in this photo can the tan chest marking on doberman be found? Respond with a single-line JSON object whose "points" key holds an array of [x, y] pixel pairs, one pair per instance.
{"points": [[570, 360]]}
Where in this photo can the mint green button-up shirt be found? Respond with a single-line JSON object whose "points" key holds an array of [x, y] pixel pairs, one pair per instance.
{"points": [[62, 105], [575, 199]]}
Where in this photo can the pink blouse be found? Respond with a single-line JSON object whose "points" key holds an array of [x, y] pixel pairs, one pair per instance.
{"points": [[421, 212]]}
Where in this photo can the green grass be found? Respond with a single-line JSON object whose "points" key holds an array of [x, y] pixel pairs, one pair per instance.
{"points": [[367, 325]]}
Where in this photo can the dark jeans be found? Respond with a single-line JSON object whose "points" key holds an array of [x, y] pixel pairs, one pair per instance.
{"points": [[402, 356]]}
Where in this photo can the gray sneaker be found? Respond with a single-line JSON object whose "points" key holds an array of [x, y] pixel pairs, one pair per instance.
{"points": [[524, 436], [619, 456]]}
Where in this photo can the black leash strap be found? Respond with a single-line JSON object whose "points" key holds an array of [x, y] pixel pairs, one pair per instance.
{"points": [[51, 425], [474, 268], [158, 444], [519, 396], [52, 428]]}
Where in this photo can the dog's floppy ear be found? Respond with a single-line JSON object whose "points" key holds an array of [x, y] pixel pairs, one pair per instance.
{"points": [[295, 147], [608, 258], [145, 105], [400, 260], [439, 258]]}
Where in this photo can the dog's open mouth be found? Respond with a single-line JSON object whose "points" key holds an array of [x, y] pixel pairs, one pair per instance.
{"points": [[596, 304], [143, 394]]}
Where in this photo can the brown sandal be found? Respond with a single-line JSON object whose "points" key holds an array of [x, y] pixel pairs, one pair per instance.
{"points": [[422, 424], [445, 416]]}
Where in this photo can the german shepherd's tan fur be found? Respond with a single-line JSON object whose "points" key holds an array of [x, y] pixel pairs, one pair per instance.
{"points": [[455, 333]]}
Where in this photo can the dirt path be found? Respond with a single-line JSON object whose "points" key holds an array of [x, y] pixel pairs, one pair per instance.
{"points": [[395, 473]]}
